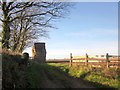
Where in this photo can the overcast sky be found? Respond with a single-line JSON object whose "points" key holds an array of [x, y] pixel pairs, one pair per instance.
{"points": [[90, 28]]}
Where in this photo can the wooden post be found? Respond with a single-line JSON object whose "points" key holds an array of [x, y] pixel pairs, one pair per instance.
{"points": [[70, 64], [107, 60], [86, 60]]}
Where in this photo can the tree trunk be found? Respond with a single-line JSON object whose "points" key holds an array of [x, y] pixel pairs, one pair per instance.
{"points": [[5, 27]]}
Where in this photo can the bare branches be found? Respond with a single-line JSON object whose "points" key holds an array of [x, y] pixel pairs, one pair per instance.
{"points": [[9, 4], [30, 20]]}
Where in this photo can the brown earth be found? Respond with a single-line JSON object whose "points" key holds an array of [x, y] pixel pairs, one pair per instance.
{"points": [[61, 80]]}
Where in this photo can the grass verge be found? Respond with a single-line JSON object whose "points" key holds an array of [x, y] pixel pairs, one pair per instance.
{"points": [[101, 78]]}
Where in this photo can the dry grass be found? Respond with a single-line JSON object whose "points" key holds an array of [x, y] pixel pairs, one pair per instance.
{"points": [[104, 77], [9, 52]]}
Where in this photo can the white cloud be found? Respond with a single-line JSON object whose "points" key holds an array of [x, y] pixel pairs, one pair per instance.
{"points": [[98, 48], [95, 49], [94, 33]]}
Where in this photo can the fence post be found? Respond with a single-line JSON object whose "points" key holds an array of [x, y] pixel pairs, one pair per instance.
{"points": [[70, 63], [86, 60], [107, 60]]}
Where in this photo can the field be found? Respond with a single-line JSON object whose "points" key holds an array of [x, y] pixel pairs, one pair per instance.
{"points": [[56, 75]]}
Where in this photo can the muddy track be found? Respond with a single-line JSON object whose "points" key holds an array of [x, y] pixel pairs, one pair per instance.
{"points": [[61, 80]]}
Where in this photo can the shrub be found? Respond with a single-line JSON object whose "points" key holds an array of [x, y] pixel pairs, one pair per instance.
{"points": [[13, 76]]}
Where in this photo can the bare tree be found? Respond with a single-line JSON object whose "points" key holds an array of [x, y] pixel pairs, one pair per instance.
{"points": [[24, 21]]}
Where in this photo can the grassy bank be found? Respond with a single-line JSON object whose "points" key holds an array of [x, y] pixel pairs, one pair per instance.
{"points": [[12, 74], [36, 75], [100, 77], [40, 74]]}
